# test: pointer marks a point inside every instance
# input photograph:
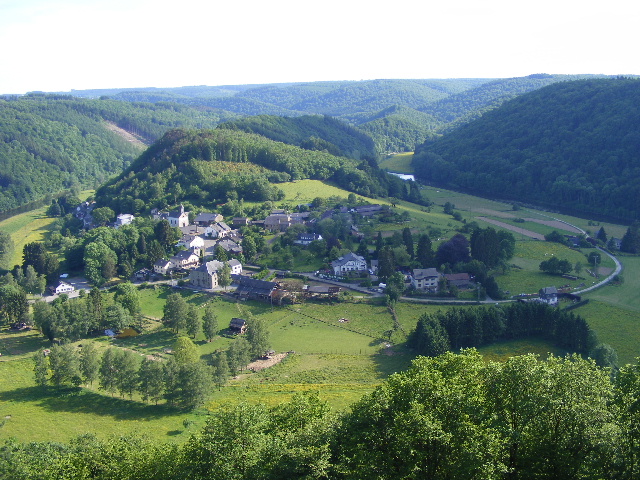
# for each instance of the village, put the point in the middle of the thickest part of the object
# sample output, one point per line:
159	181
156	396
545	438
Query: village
210	252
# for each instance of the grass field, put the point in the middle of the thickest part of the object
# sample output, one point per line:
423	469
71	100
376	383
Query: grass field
619	327
26	228
398	163
30	227
304	191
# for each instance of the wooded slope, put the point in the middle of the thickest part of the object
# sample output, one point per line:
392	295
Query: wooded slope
571	145
49	143
210	166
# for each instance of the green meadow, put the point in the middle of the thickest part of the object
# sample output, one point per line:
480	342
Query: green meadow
398	163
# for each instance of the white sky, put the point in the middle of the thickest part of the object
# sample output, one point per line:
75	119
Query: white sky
53	45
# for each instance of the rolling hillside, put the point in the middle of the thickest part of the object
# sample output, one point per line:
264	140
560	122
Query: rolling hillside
570	146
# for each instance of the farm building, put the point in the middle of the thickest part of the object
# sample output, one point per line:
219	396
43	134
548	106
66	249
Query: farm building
321	290
238	325
253	289
459	280
203	219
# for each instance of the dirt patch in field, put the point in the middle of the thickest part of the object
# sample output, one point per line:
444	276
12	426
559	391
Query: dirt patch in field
522	231
261	364
258	365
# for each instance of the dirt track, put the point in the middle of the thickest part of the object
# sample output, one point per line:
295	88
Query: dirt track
522	231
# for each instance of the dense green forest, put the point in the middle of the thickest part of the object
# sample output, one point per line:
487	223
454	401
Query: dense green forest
455	416
50	142
311	132
571	146
212	166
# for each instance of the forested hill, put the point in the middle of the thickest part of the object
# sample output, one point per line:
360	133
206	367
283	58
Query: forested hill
570	146
398	114
49	143
311	132
461	108
206	167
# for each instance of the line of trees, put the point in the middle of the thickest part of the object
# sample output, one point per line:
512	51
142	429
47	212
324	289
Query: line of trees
183	381
459	328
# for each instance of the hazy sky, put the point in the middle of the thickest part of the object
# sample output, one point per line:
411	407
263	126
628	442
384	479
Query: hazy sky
52	45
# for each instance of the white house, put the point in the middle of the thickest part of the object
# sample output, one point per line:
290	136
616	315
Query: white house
349	263
236	266
163	266
195	243
124	219
425	279
178	218
64	287
217	230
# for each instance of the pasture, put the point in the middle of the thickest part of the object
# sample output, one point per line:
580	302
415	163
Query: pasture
398	163
26	228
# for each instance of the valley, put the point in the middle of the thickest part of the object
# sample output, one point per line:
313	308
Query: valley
243	271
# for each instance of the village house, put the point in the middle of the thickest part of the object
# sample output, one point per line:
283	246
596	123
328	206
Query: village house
217	230
62	287
235	266
229	246
194	243
279	222
425	279
238	222
83	212
206	276
142	274
349	263
548	295
185	259
163	266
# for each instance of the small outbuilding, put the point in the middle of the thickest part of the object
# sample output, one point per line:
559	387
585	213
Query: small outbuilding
238	325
